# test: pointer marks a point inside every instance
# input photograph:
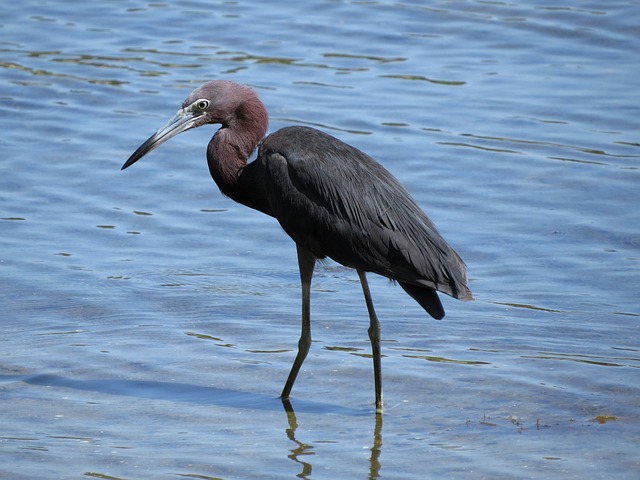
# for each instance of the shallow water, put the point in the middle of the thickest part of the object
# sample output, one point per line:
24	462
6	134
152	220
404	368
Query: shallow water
149	323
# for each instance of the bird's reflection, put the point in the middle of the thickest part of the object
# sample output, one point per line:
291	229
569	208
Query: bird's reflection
301	449
376	447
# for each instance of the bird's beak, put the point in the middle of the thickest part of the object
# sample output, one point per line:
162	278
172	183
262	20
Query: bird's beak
182	121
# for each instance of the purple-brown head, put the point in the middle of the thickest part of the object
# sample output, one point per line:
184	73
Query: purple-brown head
218	101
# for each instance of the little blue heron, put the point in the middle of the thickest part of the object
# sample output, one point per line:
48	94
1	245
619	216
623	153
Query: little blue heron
332	199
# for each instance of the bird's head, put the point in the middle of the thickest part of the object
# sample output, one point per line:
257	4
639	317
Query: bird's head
218	101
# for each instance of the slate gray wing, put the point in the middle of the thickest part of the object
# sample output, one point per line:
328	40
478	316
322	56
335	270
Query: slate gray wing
340	203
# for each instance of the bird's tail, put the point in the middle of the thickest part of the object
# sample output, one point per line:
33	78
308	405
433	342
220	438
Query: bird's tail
426	297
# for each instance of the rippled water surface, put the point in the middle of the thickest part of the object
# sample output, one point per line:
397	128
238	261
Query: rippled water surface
149	323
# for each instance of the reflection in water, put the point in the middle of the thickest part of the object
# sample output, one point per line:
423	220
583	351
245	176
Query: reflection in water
302	449
376	446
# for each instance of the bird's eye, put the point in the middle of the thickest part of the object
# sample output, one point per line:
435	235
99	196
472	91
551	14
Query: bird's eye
202	104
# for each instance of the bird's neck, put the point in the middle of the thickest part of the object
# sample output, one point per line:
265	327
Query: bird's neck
228	153
226	158
231	146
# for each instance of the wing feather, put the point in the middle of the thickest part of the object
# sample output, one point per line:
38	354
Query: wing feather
340	203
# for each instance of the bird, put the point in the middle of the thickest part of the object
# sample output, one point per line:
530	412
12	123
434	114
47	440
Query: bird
331	198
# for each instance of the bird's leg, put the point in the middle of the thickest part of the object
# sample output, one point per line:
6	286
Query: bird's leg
374	336
306	262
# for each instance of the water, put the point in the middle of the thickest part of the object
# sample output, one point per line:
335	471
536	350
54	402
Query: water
149	323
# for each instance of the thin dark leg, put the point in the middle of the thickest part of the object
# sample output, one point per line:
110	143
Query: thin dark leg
374	336
306	262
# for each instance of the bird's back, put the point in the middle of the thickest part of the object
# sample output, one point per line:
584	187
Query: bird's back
340	203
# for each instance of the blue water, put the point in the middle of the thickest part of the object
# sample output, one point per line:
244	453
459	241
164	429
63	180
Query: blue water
149	323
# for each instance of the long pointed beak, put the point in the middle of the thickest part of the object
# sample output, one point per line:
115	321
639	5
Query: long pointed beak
182	121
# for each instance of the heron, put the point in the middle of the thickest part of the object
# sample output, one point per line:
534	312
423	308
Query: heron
331	198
